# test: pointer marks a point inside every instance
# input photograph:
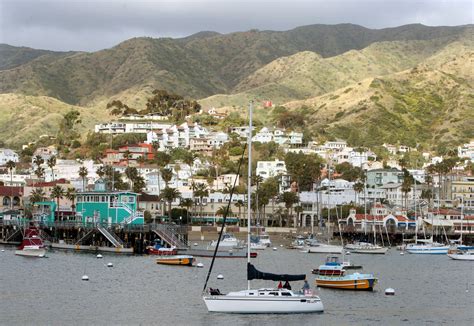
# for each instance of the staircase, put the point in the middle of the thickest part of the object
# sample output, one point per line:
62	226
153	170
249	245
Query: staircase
112	237
14	235
86	236
170	236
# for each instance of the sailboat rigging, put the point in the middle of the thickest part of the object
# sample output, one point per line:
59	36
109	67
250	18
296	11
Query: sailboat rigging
259	300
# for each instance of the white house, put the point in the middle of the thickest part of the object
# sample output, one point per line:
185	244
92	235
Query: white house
8	155
267	169
467	151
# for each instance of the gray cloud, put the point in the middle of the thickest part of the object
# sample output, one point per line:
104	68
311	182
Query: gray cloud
91	25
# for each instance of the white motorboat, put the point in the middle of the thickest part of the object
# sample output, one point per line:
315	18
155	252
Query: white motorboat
228	240
31	251
265	239
366	248
462	255
257	246
266	301
260	301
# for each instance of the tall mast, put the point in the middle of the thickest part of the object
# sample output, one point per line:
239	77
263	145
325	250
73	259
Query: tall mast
249	186
365	203
462	218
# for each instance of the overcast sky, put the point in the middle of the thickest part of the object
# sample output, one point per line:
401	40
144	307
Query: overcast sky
90	25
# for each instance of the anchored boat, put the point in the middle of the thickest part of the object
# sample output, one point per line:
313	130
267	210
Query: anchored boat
32	244
184	260
356	281
366	248
332	267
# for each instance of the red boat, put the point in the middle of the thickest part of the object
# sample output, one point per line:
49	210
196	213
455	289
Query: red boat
32	244
161	251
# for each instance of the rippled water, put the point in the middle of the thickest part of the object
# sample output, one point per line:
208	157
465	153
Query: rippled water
429	290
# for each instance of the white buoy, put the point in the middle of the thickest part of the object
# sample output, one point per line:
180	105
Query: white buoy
110	265
220	277
281	245
3	250
199	265
275	248
41	256
195	244
99	256
389	291
348	252
402	253
85	278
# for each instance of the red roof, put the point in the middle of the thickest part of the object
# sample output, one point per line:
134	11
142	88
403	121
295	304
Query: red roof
50	183
445	211
9	191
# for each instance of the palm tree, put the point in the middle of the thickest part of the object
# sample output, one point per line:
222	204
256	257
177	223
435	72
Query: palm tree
169	195
38	160
100	171
166	175
289	198
187	203
57	193
131	173
83	172
37	195
298	211
10	166
51	164
39	172
201	191
71	195
358	188
406	185
222	210
239	204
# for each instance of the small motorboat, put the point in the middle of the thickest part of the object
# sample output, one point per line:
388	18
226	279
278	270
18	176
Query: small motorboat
265	239
322	248
184	260
332	267
355	282
229	241
162	251
32	244
466	255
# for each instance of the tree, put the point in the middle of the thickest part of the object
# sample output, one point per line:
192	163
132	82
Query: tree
127	155
166	175
303	169
221	211
239	204
358	188
57	193
118	108
200	191
71	195
37	195
10	166
406	185
38	160
169	195
289	199
51	164
83	172
187	203
39	172
132	174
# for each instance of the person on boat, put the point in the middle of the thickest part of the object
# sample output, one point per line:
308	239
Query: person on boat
306	287
280	285
287	285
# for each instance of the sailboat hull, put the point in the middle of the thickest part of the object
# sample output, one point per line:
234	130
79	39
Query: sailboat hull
325	249
373	251
264	305
427	250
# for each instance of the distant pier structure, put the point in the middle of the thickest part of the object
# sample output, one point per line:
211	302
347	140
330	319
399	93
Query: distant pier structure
103	221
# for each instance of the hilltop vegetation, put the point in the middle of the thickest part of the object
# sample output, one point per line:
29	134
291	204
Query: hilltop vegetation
409	84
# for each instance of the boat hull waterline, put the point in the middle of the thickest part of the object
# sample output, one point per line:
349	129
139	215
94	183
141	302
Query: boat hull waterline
344	283
264	305
176	260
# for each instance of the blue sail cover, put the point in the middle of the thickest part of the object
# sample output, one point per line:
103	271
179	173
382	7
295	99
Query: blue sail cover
254	274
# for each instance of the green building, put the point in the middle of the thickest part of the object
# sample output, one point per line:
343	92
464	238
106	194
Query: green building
108	207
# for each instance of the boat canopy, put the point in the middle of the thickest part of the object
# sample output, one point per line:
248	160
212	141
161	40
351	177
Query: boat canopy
253	273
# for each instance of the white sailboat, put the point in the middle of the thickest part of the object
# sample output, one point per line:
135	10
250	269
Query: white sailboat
261	300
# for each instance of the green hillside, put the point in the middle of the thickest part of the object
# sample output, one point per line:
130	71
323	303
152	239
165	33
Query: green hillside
197	66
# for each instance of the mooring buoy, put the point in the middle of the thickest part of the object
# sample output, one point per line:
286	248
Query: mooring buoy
85	278
389	291
199	265
99	256
220	277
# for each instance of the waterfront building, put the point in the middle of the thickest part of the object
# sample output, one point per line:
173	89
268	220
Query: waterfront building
108	207
380	218
8	155
461	189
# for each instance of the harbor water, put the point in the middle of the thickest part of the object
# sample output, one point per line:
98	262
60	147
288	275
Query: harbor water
429	290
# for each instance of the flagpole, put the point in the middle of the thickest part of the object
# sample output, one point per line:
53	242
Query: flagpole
249	186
